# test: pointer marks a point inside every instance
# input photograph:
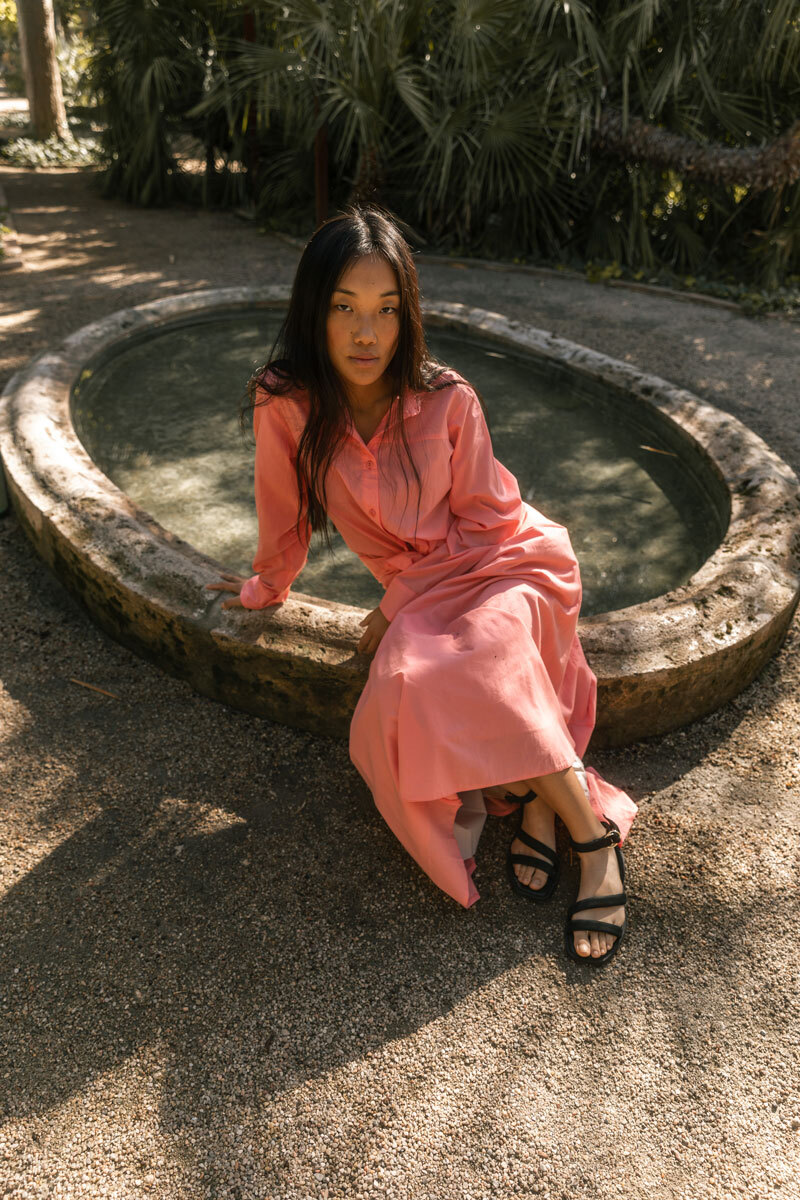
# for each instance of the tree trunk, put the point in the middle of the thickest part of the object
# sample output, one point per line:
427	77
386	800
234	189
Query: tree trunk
37	35
775	165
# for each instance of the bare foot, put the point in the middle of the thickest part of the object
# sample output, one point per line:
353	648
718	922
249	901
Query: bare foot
599	877
539	821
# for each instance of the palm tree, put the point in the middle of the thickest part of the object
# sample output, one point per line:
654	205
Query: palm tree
629	130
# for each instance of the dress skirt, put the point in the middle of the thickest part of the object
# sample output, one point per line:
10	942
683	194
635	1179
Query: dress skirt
479	681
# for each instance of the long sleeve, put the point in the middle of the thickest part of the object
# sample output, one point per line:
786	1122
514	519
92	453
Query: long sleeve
484	496
484	501
281	553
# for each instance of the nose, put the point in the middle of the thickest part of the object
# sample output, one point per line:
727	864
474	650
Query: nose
364	333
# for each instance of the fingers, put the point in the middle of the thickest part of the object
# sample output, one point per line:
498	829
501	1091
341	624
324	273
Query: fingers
223	587
375	627
369	642
234	602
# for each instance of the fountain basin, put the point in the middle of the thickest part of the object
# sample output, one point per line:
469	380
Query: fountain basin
660	663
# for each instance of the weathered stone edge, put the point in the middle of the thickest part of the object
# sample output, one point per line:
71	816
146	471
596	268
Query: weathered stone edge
659	664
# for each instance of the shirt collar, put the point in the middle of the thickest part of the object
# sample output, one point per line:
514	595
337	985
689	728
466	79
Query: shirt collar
411	404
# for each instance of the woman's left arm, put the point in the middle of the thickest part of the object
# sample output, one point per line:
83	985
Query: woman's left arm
484	496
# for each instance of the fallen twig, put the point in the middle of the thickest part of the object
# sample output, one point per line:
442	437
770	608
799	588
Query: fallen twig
93	687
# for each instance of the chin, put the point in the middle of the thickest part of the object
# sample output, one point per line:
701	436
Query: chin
364	376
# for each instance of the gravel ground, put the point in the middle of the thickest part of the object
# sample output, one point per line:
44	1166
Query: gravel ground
221	975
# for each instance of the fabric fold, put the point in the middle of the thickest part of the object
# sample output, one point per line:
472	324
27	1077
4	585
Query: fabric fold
480	679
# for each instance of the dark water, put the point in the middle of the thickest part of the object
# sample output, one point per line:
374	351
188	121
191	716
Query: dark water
160	418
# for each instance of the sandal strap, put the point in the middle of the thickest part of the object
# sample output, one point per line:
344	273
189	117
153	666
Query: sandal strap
528	860
612	838
526	799
598	902
547	851
586	926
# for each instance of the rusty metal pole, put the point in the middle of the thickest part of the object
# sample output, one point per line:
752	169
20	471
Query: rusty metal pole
251	156
321	172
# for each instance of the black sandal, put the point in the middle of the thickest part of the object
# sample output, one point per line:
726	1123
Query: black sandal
583	924
548	864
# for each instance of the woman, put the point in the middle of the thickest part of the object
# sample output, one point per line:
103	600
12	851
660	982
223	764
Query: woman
478	687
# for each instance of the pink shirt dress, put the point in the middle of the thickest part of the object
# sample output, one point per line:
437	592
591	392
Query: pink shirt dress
480	678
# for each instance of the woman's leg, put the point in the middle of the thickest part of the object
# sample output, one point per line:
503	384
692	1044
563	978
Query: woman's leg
538	819
562	792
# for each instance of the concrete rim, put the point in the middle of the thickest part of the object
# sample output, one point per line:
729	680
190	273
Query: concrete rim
659	664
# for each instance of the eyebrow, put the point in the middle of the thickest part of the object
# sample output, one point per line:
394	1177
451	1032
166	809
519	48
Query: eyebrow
345	292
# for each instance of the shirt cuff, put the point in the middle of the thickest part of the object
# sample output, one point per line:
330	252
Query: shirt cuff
396	596
257	594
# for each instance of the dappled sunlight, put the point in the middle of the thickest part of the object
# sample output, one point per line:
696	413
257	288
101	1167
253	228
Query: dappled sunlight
700	346
124	277
30	830
14	320
757	375
719	386
197	817
50	210
16	717
199	283
133	1147
32	850
42	254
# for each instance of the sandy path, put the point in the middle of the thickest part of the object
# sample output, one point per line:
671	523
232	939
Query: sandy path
221	977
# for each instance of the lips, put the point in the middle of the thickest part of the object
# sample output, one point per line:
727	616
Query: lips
363	358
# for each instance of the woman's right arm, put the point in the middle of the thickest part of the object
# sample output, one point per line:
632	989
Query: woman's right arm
281	553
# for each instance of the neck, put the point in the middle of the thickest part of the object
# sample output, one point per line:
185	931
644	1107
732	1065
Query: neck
369	399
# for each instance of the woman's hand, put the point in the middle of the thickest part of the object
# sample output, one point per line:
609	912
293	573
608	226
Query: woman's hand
376	626
232	583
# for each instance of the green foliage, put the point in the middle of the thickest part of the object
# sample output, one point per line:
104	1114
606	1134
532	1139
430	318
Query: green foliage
10	59
54	152
475	120
74	55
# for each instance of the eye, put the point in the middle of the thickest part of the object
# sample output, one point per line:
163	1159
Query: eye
389	308
341	307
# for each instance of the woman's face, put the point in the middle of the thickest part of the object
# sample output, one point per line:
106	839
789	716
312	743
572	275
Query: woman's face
363	327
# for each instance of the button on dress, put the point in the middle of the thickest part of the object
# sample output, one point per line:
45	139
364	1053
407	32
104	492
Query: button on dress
480	679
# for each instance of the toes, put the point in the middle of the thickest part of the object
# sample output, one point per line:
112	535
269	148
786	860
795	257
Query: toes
530	877
523	873
594	939
582	944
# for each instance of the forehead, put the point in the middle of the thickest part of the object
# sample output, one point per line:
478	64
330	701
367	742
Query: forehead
368	275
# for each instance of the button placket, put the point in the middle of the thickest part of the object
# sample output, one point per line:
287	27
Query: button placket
371	485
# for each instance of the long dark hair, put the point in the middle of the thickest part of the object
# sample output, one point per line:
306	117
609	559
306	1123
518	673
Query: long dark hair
299	357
